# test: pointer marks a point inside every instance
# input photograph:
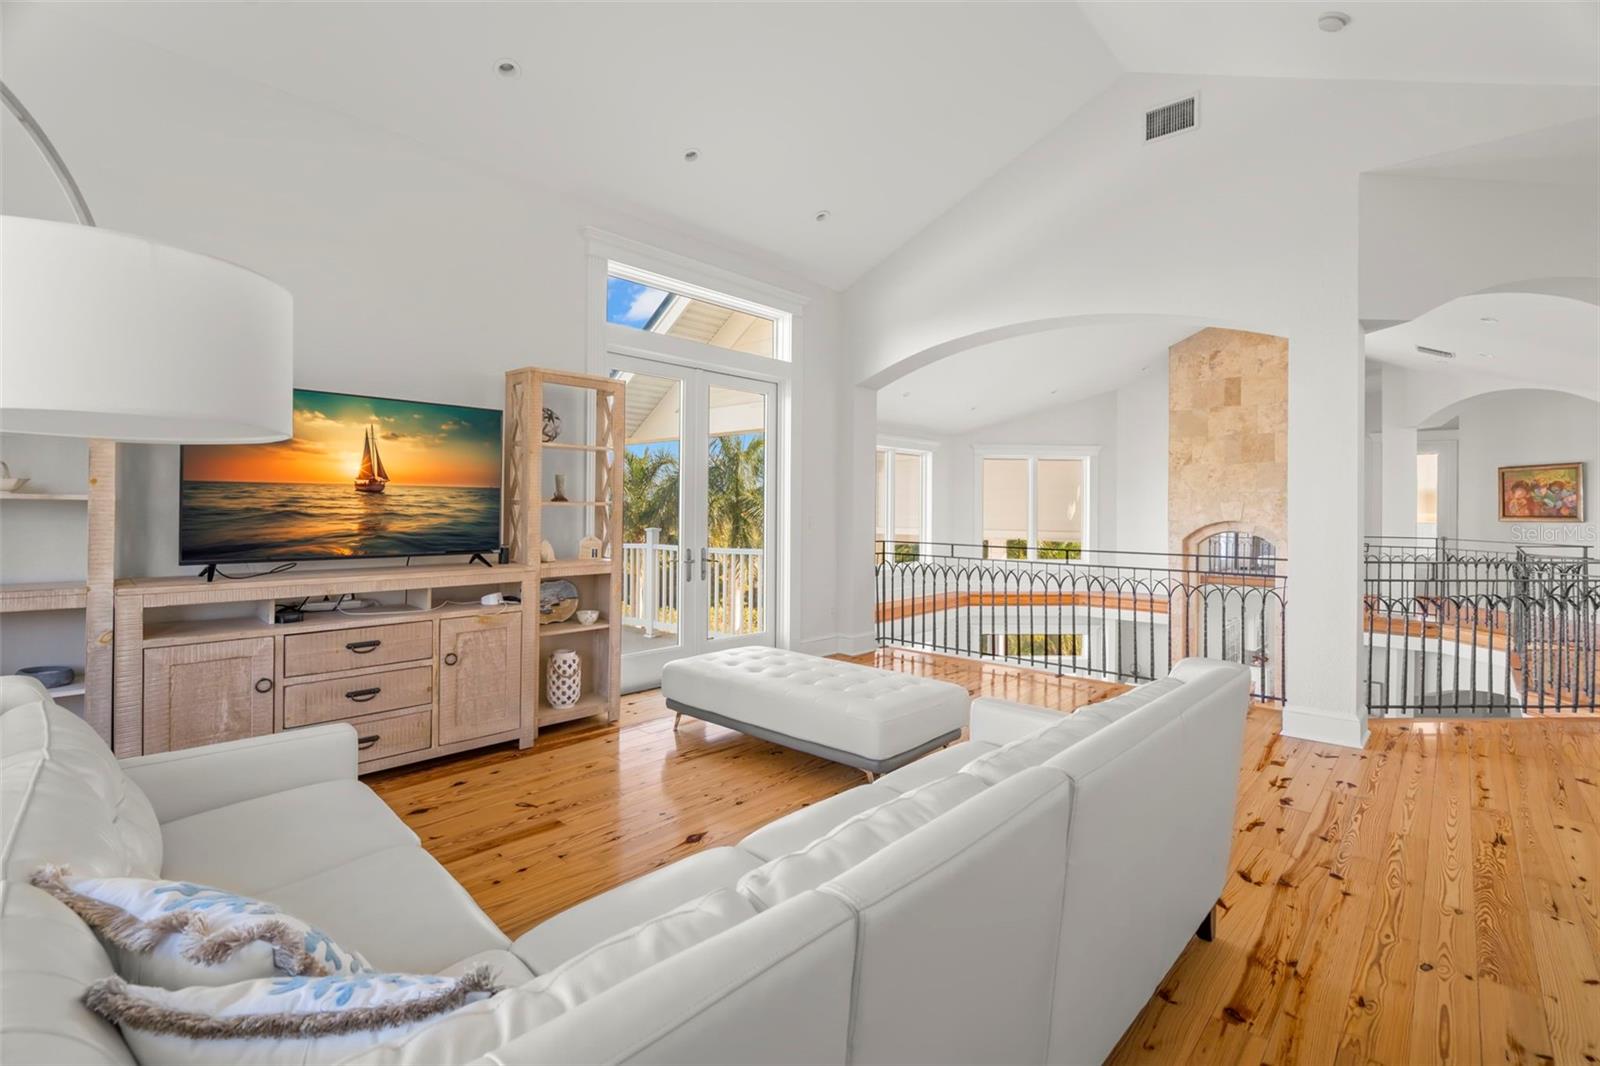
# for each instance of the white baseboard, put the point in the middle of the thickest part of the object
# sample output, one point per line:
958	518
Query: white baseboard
1325	727
838	644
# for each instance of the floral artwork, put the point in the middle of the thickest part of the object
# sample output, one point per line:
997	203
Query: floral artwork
1552	492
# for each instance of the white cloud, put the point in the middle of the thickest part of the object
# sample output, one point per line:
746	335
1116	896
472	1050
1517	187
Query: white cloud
644	304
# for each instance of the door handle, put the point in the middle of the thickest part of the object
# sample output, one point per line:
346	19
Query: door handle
362	695
450	658
367	742
688	564
361	647
705	554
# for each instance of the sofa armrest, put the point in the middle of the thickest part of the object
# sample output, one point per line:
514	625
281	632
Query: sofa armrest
181	783
996	721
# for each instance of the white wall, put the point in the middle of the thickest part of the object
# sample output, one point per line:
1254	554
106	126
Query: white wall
1518	428
1250	221
1141	447
1428	240
413	276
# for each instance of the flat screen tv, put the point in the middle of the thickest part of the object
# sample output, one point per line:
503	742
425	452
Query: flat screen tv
362	477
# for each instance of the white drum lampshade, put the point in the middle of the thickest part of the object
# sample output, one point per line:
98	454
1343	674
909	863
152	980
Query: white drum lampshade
104	334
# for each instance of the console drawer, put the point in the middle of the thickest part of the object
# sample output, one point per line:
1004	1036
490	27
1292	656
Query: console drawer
352	649
310	702
395	733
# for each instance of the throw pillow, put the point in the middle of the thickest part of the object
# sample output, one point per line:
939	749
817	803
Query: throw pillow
298	1020
174	934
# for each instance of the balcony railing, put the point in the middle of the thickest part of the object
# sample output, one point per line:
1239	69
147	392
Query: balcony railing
1480	628
652	587
1125	616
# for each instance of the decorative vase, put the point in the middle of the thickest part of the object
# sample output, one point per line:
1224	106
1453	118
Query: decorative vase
552	426
563	681
561	489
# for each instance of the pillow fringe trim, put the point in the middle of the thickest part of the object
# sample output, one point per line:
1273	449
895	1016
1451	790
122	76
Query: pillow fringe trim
131	933
111	999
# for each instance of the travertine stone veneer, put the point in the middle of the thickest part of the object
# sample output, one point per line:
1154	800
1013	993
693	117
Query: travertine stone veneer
1228	436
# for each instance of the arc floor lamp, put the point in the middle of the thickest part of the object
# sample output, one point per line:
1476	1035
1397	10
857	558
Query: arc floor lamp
106	334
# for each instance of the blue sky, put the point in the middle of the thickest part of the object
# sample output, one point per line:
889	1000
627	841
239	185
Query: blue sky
629	303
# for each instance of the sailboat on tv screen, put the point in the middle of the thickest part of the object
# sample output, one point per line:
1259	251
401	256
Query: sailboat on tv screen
372	477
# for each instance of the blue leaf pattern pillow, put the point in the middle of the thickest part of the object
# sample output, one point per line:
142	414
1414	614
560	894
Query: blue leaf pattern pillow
174	934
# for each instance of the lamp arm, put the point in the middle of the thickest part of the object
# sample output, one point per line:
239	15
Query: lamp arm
58	166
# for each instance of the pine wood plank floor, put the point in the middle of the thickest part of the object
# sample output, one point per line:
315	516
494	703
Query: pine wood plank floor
1433	898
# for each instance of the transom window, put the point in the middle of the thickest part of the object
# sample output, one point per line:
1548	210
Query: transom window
652	304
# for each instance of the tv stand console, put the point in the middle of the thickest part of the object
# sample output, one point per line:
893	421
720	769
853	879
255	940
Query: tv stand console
429	671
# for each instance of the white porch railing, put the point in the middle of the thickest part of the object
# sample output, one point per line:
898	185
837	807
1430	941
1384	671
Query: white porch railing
651	587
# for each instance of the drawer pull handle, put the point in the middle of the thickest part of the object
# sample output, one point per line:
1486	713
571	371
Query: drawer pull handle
264	685
362	695
361	647
366	742
450	659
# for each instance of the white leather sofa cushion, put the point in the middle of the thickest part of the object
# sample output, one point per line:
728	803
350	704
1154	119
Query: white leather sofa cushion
508	969
1030	751
50	958
1119	707
576	929
480	1028
798	828
865	711
256	845
959	928
855	840
398	907
63	799
774	989
939	764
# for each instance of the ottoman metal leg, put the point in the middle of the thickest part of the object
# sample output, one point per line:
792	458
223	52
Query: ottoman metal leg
676	718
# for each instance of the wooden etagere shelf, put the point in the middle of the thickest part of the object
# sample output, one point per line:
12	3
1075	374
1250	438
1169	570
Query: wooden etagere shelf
596	461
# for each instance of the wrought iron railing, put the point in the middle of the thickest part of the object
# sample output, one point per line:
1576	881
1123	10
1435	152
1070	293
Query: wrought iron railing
1125	616
1480	628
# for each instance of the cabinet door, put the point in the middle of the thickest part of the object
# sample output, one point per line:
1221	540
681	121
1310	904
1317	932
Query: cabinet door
206	693
480	676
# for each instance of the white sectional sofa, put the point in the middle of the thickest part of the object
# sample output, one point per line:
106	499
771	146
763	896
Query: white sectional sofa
1015	898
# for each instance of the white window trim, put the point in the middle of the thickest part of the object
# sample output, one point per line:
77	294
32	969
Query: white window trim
609	253
1089	453
906	446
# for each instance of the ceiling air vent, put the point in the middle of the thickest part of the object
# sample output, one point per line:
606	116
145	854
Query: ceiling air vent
1437	353
1171	118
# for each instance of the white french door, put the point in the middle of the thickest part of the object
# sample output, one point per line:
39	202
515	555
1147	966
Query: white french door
698	515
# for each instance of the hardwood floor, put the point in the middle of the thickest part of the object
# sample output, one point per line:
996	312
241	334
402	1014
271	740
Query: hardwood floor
1433	898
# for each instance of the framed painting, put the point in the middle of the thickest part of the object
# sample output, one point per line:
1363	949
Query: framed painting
1549	492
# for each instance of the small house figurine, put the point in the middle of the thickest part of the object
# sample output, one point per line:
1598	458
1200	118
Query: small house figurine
589	548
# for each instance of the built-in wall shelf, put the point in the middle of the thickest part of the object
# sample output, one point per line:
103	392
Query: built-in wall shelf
44	596
574	567
199	630
529	519
561	446
591	703
44	497
561	629
75	687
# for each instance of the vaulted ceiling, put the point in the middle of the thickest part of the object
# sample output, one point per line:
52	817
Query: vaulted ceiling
882	115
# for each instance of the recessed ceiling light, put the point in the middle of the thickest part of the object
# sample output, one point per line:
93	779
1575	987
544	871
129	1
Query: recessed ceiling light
1489	320
823	216
691	155
1485	355
1332	21
1054	391
974	407
507	68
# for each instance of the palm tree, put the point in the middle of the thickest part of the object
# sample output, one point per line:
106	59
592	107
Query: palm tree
736	480
651	486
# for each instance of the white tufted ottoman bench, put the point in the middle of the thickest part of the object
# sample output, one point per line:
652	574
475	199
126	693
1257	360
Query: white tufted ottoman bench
858	715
